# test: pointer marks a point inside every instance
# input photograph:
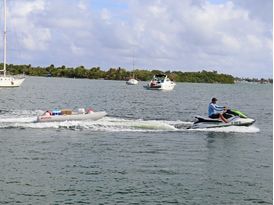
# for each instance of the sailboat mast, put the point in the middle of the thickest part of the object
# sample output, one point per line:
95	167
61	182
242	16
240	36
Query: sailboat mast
133	59
133	63
5	37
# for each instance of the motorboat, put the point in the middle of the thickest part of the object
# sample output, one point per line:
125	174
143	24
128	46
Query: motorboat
69	115
236	118
132	81
160	82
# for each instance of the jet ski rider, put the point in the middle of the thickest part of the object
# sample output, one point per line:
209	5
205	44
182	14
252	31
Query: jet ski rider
215	111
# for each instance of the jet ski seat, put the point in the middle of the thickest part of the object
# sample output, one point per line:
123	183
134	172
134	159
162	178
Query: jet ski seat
206	119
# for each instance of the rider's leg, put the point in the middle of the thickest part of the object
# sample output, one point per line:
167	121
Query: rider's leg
223	118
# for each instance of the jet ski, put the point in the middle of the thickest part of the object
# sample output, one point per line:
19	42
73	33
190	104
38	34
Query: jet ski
234	117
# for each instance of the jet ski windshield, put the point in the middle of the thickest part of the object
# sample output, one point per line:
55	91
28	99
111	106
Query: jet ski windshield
238	113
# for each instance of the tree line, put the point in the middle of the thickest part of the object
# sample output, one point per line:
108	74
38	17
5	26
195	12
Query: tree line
119	73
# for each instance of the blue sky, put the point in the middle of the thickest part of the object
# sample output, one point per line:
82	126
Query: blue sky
233	37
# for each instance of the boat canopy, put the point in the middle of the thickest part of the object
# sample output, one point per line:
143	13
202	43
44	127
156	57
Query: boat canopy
160	76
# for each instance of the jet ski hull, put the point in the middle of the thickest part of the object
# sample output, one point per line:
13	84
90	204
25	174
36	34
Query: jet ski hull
202	123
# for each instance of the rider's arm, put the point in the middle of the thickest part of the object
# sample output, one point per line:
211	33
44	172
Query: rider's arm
218	108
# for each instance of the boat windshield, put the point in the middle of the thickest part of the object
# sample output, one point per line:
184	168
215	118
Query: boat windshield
160	78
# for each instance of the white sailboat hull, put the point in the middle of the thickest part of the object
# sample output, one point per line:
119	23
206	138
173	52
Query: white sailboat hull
132	82
11	81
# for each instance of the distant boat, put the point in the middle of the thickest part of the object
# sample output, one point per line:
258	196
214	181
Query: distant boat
5	80
160	82
132	81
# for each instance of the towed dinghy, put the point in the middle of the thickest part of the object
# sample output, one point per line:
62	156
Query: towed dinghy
236	118
69	115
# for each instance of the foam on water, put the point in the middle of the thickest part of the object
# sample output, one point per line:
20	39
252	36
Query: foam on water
241	129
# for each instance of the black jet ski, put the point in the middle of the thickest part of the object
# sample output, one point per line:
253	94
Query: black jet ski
234	117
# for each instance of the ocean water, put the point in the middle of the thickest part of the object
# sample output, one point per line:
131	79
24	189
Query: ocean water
135	155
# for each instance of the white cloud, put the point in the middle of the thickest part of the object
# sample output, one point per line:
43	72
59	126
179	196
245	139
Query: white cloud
179	34
230	42
82	5
105	15
24	8
37	40
76	49
32	36
254	42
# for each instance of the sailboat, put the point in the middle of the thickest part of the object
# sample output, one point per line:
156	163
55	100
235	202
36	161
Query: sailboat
7	80
132	80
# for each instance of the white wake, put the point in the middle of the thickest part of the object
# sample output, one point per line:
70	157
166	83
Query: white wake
26	119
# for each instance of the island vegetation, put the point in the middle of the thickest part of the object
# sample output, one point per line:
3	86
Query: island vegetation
119	73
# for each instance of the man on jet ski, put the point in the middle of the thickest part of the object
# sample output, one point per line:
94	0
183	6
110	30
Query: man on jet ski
216	111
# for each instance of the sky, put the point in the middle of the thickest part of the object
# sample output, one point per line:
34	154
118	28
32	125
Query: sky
232	37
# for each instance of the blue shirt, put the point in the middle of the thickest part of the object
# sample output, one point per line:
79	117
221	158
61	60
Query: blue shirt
214	109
